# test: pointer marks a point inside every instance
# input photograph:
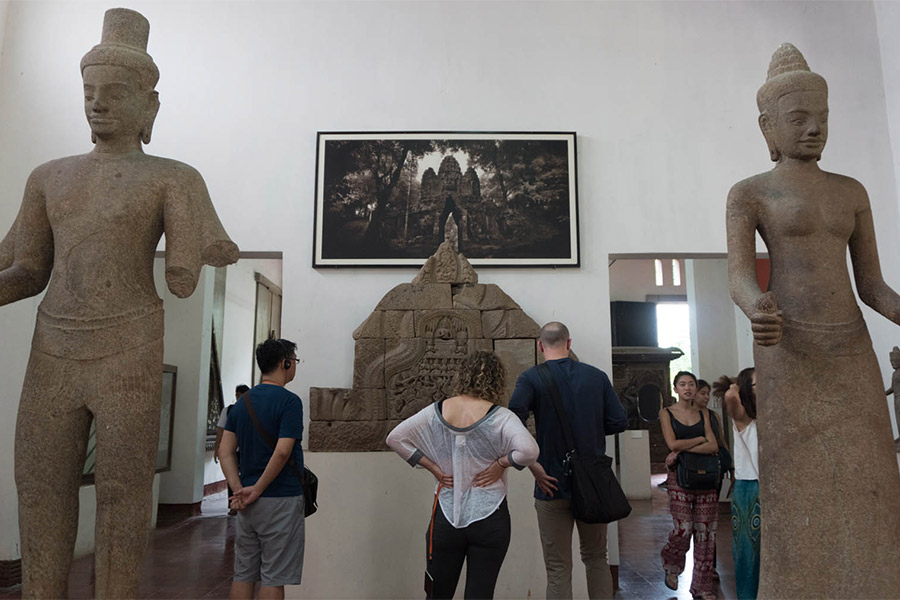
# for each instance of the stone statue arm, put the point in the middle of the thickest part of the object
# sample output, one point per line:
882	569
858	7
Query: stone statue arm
867	268
760	307
26	253
194	234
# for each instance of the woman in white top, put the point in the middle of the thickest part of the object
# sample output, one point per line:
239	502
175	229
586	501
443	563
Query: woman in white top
467	442
740	400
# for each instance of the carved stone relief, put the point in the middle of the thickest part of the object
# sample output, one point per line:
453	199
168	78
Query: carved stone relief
408	350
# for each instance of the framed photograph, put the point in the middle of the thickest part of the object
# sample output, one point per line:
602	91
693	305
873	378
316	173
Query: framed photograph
390	198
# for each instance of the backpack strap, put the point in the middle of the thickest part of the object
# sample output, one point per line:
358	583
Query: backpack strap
550	383
268	439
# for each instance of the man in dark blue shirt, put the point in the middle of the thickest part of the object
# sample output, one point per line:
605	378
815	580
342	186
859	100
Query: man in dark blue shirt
594	412
269	541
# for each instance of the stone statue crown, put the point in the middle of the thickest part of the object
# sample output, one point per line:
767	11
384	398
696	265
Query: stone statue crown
124	43
788	72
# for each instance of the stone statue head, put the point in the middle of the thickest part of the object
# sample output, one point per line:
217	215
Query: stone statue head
793	107
120	77
895	358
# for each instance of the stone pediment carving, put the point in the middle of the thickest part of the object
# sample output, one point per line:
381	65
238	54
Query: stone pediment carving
408	349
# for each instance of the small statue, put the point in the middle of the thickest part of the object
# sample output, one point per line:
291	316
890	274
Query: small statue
895	385
89	225
829	487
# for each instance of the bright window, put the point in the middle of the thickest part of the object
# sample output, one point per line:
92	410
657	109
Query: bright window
659	272
673	329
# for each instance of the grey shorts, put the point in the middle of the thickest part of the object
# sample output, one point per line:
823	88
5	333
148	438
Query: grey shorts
269	540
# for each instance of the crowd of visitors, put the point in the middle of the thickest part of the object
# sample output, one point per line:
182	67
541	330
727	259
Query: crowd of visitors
468	441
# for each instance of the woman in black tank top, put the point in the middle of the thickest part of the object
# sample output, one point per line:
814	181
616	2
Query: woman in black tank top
686	428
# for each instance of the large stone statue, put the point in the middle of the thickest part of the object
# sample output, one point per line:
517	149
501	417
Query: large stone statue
829	487
89	225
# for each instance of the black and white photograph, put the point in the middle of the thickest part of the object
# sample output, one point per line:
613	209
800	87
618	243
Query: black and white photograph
390	199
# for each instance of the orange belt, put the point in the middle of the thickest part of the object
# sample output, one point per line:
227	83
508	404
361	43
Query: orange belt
431	526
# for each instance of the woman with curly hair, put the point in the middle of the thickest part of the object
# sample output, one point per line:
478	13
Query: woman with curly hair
467	442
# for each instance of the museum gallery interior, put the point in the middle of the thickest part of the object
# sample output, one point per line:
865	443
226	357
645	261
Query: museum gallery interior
396	185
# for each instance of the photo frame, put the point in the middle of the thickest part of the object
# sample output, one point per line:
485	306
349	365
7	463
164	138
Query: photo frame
388	199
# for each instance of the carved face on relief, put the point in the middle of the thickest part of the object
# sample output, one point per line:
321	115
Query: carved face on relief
116	105
895	358
799	129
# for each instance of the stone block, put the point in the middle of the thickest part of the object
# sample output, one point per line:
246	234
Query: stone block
481	344
368	364
349	436
417	296
448	324
483	296
506	324
516	356
387	324
338	404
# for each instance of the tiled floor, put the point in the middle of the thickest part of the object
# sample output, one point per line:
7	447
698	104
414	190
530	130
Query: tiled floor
193	557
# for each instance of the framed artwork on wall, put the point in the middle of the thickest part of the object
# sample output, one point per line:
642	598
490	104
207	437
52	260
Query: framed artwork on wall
390	198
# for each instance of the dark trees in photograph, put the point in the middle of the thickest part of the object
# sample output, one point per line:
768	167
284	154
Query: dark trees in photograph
512	200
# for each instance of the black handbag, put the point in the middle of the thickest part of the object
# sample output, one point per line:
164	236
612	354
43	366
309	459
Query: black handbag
725	460
697	471
597	496
308	479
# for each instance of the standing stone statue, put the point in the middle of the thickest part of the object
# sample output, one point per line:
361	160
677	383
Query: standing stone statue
829	487
89	225
895	389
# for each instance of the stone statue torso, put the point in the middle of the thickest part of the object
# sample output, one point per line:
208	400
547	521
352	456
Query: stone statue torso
806	229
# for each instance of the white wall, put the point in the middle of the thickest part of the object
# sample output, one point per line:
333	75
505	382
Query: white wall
187	346
888	23
662	96
633	279
237	341
713	329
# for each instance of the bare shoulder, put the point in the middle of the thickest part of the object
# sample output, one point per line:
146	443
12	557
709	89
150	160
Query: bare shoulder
851	189
745	194
176	172
55	167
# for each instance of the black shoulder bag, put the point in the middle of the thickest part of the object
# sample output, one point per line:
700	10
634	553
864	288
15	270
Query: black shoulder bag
308	479
597	496
697	471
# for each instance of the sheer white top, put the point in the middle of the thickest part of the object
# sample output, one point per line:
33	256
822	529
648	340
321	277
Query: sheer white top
746	452
464	452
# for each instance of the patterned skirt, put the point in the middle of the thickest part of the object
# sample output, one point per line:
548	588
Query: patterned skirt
745	525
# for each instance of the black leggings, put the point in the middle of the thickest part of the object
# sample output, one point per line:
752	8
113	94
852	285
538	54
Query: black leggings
482	545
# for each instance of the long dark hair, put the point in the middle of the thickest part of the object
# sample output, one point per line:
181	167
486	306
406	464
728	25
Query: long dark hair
746	391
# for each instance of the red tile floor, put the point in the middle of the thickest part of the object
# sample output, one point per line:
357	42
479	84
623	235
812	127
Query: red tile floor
192	557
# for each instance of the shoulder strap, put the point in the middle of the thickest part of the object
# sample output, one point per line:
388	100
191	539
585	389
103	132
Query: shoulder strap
268	439
549	381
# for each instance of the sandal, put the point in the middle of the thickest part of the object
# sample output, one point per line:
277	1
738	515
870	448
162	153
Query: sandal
706	596
671	581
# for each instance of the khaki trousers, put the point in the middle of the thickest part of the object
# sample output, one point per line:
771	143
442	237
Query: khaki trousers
555	523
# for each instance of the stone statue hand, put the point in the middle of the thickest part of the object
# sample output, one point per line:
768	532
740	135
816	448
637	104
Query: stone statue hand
767	321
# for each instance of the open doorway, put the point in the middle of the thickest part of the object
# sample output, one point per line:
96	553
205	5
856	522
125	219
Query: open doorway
684	319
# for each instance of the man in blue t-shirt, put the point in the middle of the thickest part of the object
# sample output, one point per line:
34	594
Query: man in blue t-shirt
594	411
269	541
